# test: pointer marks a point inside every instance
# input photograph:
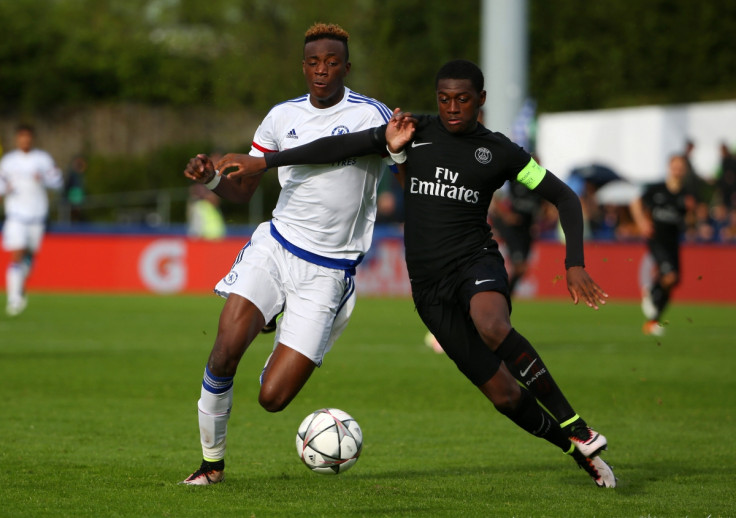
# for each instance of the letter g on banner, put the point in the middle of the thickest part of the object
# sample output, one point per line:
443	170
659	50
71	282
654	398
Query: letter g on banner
162	266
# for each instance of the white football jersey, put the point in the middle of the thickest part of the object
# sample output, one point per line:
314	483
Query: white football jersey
327	209
24	178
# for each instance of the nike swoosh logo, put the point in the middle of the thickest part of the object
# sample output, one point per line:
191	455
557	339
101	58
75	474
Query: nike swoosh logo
484	280
417	144
523	373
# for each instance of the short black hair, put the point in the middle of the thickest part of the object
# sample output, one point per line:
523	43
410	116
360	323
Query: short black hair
330	31
25	127
461	69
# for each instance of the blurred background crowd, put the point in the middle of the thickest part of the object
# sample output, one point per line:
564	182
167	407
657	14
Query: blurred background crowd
121	94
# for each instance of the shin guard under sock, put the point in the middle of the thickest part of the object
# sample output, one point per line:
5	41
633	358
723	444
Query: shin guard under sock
214	406
527	366
660	298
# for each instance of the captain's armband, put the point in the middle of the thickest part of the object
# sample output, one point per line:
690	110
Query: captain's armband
531	175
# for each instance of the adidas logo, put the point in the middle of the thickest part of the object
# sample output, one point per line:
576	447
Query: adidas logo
292	134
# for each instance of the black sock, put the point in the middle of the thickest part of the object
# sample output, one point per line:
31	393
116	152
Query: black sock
535	420
660	298
527	366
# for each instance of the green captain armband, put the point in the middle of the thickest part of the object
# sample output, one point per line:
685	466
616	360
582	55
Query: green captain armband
531	175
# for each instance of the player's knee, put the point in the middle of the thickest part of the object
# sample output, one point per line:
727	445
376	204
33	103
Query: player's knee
272	400
493	331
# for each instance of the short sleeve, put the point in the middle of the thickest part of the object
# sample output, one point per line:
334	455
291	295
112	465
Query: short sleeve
264	140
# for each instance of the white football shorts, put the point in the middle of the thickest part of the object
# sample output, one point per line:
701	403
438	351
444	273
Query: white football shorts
319	300
19	235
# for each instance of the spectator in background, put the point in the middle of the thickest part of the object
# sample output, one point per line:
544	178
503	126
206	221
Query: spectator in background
514	218
727	234
692	183
726	182
660	215
701	227
25	174
204	218
74	191
389	201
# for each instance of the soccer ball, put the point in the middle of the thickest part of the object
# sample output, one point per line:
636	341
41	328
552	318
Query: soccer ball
329	441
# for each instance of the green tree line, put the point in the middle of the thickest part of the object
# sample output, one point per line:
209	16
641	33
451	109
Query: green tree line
583	55
58	54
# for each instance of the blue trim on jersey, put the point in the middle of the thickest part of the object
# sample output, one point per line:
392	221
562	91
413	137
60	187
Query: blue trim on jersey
216	384
357	98
299	99
348	265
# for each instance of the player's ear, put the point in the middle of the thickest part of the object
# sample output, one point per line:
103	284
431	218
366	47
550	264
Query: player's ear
347	67
482	98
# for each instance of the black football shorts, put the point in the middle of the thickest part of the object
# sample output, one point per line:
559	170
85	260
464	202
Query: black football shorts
666	255
444	307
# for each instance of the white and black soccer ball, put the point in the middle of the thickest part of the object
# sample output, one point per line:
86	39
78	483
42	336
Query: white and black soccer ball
329	441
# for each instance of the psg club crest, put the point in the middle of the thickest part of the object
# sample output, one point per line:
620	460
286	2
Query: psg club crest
340	130
483	155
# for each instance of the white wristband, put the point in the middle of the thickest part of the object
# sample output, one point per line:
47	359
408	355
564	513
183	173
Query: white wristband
214	182
399	157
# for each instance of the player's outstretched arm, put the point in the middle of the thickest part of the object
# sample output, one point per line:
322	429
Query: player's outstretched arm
579	283
328	149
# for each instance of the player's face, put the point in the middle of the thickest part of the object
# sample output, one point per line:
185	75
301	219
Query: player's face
678	168
24	140
459	104
325	68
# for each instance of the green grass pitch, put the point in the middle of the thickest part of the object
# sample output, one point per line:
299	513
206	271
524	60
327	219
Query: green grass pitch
98	416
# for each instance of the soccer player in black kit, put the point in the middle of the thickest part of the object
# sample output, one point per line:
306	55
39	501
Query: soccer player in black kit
660	215
449	169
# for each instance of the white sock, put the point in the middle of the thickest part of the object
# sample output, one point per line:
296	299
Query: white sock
214	413
15	277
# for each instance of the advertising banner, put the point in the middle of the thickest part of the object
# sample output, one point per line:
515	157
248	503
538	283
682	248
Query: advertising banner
173	264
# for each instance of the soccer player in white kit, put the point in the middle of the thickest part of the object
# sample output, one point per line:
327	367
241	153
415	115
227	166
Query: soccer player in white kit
302	260
25	174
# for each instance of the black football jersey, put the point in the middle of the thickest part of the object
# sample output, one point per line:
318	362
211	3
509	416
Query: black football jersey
668	211
450	180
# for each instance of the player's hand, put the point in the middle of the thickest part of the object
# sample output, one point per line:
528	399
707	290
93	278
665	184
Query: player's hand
237	165
200	169
400	130
646	228
582	287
